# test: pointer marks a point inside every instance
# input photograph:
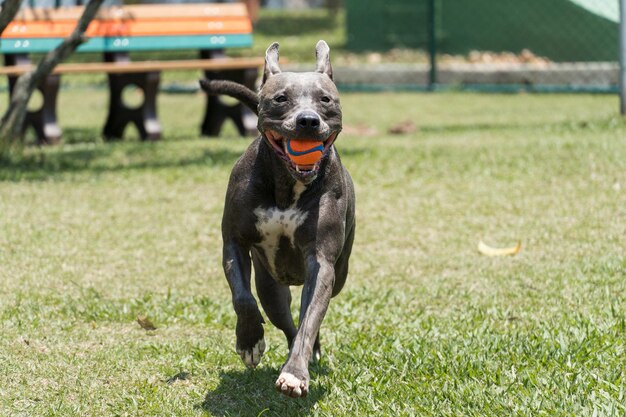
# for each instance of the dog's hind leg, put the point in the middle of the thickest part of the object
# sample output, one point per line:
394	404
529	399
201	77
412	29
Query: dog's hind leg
250	343
341	266
276	301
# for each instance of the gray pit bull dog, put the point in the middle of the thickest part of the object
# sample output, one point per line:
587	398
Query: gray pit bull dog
294	224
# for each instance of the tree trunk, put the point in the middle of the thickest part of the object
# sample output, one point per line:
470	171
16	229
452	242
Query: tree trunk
13	119
9	10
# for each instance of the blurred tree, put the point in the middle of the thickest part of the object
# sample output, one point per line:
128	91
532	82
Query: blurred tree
13	119
333	6
8	12
253	9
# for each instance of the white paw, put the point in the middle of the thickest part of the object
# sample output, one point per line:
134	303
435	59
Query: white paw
292	386
252	357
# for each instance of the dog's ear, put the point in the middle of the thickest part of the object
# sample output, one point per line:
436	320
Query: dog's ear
271	62
322	54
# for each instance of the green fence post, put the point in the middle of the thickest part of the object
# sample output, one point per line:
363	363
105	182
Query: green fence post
432	44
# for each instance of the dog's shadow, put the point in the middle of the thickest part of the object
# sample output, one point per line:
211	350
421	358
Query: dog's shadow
252	393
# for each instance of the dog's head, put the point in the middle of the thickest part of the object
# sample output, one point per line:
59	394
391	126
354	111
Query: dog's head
299	106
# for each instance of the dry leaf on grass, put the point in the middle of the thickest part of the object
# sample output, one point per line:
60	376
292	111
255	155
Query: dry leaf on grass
362	130
402	128
491	251
145	323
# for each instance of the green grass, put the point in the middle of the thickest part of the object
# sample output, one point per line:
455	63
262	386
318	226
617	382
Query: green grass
93	234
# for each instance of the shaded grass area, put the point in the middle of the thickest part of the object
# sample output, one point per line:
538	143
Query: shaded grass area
93	234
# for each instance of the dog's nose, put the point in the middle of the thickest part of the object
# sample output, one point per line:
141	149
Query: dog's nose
308	120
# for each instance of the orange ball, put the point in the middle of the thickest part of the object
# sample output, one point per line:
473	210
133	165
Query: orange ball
304	152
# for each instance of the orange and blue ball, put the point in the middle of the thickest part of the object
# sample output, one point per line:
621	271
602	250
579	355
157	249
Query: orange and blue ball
304	152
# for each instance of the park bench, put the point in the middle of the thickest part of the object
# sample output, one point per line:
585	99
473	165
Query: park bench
116	32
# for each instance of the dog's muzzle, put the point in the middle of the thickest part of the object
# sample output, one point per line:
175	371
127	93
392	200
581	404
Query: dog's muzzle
282	146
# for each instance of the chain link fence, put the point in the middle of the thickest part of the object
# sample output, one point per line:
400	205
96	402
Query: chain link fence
534	45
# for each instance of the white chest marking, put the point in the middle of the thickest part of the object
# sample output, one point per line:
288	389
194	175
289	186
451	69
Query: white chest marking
273	223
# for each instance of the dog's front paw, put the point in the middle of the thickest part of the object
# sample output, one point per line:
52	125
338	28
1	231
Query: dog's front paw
292	386
252	356
250	343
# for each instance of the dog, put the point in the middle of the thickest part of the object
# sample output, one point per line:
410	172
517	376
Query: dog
295	225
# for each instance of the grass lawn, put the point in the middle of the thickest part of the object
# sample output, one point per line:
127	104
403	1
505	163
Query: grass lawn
93	234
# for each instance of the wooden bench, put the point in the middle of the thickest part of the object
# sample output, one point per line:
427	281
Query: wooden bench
119	30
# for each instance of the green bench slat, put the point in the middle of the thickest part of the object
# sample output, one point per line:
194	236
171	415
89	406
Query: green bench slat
134	43
155	43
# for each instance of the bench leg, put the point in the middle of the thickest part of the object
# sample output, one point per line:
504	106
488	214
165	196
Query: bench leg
217	111
144	117
44	119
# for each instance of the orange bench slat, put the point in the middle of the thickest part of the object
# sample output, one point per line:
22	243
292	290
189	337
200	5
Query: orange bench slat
178	26
139	11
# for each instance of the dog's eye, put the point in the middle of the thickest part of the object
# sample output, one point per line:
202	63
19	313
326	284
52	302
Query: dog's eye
281	98
325	99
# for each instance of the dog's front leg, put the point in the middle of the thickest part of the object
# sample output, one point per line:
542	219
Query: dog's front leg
316	293
250	343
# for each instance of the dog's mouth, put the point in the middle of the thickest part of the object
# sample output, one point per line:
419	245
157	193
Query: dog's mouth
282	147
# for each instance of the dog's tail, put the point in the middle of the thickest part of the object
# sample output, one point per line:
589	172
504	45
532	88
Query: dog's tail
232	89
